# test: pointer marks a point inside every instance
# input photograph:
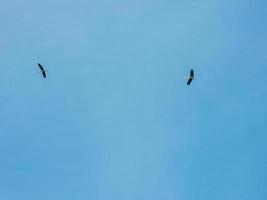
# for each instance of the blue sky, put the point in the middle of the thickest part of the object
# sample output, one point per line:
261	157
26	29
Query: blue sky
114	119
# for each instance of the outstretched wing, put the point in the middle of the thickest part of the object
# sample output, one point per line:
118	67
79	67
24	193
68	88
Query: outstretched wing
41	67
192	73
42	70
44	74
189	81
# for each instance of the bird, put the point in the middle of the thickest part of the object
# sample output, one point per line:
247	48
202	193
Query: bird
42	70
191	77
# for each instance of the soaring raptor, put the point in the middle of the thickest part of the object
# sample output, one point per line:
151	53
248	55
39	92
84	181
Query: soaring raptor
42	70
191	77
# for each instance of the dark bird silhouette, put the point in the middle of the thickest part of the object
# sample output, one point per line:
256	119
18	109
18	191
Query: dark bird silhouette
191	77
42	70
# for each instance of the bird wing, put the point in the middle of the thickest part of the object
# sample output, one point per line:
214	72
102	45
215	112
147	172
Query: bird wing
192	73
41	67
189	81
44	74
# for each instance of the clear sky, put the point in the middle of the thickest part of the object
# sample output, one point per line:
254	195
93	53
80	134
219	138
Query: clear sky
115	120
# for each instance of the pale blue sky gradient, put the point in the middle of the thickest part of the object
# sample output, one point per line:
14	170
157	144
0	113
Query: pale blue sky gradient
114	120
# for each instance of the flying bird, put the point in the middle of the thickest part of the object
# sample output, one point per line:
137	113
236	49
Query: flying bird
42	70
191	77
